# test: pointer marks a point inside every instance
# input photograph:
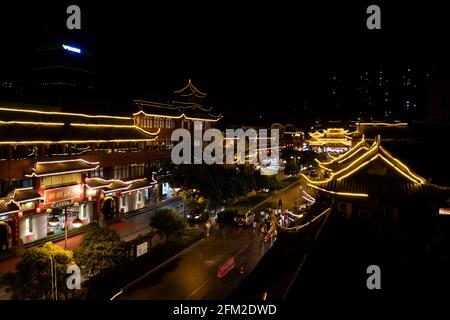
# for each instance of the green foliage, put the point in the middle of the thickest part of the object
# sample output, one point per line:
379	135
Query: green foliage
99	252
33	278
291	168
168	223
216	183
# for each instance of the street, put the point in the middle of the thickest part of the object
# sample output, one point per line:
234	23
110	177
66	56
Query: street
193	276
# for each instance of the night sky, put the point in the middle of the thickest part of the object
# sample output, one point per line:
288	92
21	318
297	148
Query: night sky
252	58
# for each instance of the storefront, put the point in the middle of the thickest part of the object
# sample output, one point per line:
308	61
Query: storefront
133	200
117	197
59	204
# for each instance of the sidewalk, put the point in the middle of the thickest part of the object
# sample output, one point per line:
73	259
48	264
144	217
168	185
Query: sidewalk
133	226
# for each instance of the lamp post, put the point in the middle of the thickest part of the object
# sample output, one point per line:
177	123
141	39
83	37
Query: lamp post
53	221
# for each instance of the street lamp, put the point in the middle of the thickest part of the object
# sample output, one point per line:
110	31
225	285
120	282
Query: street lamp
53	221
77	222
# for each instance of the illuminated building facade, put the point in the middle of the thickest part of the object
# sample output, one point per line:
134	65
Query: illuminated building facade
330	140
71	165
68	166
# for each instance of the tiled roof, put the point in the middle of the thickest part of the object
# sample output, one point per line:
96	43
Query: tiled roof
176	109
23	195
20	112
116	185
386	186
6	206
15	133
375	172
48	168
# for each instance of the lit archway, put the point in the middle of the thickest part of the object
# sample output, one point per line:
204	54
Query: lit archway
109	211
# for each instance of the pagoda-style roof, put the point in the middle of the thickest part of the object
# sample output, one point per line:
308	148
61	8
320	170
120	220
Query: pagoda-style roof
364	172
50	168
21	195
190	90
335	133
116	185
330	136
344	159
175	110
8	207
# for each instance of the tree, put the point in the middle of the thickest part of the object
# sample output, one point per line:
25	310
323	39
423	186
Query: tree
33	276
168	223
291	168
99	252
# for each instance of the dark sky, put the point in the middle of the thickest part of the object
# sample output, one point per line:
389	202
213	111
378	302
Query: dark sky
255	56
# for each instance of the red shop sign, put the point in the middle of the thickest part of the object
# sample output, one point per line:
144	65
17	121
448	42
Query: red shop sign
62	194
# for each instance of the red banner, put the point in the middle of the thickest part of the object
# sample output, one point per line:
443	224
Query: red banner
63	194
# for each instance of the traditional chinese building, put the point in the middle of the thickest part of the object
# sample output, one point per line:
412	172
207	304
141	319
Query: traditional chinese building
61	166
185	108
368	184
67	166
330	140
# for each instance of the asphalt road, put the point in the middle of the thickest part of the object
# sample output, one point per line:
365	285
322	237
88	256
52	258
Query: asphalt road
193	276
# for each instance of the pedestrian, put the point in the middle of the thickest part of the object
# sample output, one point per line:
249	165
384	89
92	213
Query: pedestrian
207	225
280	204
254	226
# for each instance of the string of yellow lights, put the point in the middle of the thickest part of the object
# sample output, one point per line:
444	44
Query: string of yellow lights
64	113
350	194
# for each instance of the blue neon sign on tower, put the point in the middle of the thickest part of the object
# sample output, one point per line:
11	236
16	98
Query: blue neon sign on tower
72	49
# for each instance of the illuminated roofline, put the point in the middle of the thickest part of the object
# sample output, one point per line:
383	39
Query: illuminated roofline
190	85
74	141
82	125
175	117
64	113
347	194
58	173
19	202
33	123
68	160
110	182
346	154
115	126
400	124
97	164
408	174
9	212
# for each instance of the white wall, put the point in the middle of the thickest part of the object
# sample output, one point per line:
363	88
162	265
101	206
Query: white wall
39	222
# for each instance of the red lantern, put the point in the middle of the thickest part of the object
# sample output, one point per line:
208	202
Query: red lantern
20	214
89	198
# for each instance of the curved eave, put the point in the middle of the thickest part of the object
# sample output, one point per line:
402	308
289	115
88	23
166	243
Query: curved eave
182	116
